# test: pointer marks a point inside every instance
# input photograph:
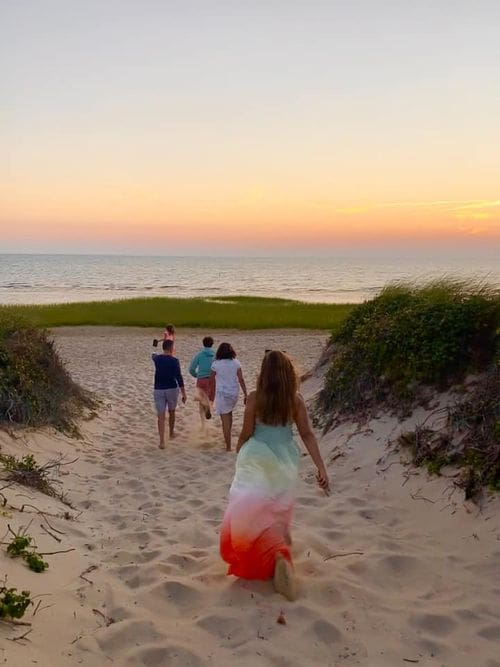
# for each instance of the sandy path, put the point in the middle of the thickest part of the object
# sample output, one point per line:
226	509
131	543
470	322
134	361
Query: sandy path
159	513
423	589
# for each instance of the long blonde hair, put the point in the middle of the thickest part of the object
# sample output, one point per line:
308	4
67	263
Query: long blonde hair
276	389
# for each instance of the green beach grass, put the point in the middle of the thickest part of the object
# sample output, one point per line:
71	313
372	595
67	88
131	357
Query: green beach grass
229	312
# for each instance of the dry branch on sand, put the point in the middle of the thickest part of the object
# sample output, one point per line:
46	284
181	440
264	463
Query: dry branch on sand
469	439
28	472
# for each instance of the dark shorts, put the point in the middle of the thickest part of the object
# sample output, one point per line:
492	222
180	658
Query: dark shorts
208	386
166	399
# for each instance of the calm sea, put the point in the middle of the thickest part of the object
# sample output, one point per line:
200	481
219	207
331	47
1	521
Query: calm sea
61	278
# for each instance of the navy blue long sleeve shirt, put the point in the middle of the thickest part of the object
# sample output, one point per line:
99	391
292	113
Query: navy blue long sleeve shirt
167	371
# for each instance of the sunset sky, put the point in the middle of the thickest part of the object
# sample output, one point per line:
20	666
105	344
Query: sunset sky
249	127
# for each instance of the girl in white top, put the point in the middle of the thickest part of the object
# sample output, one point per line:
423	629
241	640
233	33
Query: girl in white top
228	380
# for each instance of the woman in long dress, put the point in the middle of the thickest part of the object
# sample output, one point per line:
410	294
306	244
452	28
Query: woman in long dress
255	536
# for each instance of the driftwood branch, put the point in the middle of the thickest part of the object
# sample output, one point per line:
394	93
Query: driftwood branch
46	530
107	619
20	637
87	571
349	553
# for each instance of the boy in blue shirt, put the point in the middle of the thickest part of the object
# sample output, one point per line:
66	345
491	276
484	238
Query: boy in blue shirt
168	384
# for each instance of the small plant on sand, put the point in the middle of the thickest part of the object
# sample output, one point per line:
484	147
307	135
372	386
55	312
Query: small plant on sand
409	338
35	562
18	545
13	604
28	472
35	387
22	546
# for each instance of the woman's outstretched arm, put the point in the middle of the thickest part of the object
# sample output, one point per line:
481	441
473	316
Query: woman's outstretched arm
309	440
248	422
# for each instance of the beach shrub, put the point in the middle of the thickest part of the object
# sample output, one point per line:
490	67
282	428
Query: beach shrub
35	387
407	338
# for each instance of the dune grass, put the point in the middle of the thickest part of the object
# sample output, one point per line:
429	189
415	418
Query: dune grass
412	335
35	387
230	312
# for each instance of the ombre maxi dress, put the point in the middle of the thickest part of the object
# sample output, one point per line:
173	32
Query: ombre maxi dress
261	502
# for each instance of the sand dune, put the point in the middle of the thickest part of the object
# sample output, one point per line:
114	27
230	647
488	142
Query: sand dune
393	571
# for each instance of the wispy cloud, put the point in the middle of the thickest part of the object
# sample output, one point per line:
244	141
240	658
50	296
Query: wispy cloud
460	209
474	231
354	210
481	204
465	214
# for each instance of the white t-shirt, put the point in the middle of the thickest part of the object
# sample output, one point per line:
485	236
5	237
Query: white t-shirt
226	378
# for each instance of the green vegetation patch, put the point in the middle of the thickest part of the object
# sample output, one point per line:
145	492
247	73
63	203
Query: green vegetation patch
13	605
22	546
409	337
229	312
35	387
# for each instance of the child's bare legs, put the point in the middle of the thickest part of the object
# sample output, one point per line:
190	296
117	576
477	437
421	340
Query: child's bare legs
202	414
204	405
227	425
161	429
171	423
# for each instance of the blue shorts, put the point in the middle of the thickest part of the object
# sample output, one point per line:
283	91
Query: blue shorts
166	398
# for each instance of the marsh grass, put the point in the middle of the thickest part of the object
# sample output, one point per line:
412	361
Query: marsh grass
231	312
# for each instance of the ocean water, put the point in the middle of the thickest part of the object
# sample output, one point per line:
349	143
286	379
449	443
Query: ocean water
31	279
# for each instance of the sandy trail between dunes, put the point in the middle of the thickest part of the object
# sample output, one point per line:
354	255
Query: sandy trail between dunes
386	577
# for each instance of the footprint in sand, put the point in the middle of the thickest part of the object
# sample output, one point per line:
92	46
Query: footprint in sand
491	632
435	624
173	656
326	632
171	595
115	637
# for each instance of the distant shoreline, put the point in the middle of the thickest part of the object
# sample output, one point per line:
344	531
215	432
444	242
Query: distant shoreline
224	312
46	280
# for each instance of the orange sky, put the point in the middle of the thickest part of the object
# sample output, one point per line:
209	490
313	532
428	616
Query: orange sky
161	130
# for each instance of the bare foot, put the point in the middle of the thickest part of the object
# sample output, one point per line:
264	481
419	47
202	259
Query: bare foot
173	436
161	445
284	580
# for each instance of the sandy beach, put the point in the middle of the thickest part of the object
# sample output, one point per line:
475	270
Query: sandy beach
394	567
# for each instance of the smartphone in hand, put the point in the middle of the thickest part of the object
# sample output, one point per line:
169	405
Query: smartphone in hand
155	342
